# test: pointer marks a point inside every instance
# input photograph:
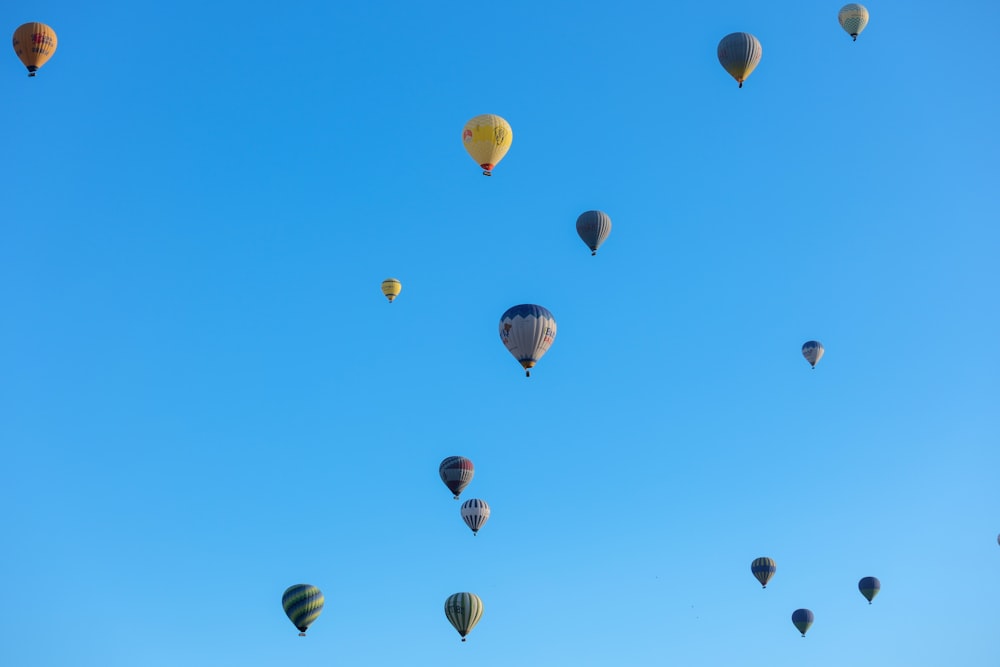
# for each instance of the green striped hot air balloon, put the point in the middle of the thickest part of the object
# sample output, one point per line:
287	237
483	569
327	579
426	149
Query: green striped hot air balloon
463	611
303	604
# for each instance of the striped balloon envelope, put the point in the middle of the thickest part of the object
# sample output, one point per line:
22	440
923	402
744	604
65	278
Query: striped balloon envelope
739	53
869	587
813	351
763	569
34	44
475	513
487	138
593	227
456	473
463	611
802	619
853	19
527	331
391	287
303	604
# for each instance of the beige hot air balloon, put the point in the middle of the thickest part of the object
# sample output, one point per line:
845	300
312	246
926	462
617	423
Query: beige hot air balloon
391	288
487	138
34	44
853	19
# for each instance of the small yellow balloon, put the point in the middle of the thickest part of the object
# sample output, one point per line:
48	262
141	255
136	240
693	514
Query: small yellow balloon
487	138
34	44
391	288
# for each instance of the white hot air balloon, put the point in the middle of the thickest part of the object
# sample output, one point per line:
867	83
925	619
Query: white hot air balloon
475	513
527	331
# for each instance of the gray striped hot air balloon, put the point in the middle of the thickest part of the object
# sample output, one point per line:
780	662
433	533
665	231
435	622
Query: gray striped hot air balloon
303	604
527	331
853	19
475	513
593	227
463	611
739	53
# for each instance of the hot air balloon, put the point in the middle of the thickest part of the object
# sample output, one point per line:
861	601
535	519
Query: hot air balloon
763	568
739	53
812	350
463	611
869	587
475	513
34	44
487	138
391	288
303	604
456	473
802	619
593	227
853	19
527	330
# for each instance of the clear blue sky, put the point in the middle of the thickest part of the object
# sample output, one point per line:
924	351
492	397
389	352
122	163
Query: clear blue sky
204	397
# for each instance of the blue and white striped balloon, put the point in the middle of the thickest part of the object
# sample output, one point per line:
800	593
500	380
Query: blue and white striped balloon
475	513
527	331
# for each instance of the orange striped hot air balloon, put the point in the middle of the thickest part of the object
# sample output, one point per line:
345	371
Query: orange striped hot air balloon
34	44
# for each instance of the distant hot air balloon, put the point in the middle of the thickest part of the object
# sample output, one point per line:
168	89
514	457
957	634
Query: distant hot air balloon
593	227
475	513
802	619
869	587
527	330
391	288
812	350
853	19
487	138
303	604
34	44
739	53
456	473
463	611
763	568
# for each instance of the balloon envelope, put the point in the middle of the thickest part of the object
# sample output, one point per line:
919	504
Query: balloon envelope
527	331
391	288
802	619
487	138
853	19
763	569
475	513
869	587
593	227
812	350
34	44
739	53
463	611
456	473
303	604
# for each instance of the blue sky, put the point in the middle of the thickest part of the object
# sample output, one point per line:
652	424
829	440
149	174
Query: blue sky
205	397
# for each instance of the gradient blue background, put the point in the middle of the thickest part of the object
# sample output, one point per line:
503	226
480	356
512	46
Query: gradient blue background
204	397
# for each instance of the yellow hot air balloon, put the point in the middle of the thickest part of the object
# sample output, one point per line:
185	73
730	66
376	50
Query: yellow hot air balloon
487	138
391	288
34	44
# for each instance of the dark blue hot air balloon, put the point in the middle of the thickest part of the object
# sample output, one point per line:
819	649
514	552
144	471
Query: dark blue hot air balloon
802	619
869	587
